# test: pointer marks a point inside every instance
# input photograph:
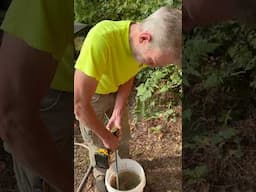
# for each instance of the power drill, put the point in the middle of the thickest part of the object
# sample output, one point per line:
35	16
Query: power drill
102	158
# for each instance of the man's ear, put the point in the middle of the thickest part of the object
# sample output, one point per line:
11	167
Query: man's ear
145	37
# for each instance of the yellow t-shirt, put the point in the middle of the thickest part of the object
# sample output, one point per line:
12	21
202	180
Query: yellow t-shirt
46	25
107	57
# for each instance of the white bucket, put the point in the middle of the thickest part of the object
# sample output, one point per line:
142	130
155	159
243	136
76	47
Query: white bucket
126	165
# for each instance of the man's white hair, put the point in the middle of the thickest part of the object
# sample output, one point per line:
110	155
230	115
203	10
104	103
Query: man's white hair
165	26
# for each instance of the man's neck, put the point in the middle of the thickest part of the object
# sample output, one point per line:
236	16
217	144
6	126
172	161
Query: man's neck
133	32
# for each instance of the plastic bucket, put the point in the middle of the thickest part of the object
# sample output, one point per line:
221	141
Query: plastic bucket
126	165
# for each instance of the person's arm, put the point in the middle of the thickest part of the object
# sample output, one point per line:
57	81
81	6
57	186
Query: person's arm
120	104
84	88
25	75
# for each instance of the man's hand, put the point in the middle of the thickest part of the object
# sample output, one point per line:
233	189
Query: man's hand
115	123
110	141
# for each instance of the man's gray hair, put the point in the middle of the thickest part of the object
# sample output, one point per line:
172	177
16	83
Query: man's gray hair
165	25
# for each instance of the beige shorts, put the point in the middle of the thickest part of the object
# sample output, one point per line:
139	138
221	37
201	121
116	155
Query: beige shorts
103	106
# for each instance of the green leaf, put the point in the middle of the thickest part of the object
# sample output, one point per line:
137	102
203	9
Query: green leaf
213	80
197	172
201	170
216	139
186	115
192	71
227	133
156	129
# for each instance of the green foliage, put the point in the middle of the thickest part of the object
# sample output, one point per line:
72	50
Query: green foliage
156	129
196	175
219	68
234	51
214	62
159	93
91	12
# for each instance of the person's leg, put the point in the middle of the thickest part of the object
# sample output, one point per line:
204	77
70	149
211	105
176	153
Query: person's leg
123	149
100	104
93	144
91	140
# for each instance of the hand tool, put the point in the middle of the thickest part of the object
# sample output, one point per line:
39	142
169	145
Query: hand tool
117	178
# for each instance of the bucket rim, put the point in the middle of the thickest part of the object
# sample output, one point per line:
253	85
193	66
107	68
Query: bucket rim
142	177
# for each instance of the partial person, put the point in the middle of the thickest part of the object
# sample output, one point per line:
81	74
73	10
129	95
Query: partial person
112	54
36	99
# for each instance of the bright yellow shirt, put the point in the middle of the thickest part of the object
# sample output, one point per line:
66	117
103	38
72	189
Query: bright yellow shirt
106	56
46	25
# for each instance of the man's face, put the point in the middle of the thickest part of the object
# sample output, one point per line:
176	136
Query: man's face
154	57
146	53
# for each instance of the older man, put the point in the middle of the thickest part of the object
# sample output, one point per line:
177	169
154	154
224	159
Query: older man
112	54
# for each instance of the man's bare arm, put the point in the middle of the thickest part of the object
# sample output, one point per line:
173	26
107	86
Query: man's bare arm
122	96
84	88
120	104
25	75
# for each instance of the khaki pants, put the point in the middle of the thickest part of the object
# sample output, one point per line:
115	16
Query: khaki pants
103	105
57	115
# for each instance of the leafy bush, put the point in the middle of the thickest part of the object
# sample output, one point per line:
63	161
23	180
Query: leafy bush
159	93
219	70
217	65
91	12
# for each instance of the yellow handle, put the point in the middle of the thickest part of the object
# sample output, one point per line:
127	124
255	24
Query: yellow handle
103	151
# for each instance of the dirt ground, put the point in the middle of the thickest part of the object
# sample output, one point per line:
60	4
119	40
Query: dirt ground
159	154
